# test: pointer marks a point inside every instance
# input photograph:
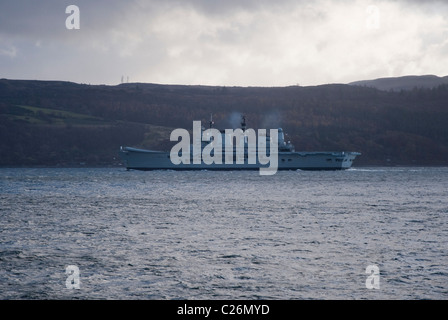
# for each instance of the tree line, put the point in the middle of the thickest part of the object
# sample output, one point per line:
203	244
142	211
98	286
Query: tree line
408	127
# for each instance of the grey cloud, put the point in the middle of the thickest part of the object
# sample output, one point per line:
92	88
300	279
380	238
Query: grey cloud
47	18
233	42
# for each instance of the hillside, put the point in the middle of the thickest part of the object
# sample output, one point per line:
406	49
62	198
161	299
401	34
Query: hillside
54	123
403	83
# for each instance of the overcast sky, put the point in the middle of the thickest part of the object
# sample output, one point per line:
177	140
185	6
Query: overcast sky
229	43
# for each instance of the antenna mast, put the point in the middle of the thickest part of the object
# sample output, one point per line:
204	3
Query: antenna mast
243	122
211	120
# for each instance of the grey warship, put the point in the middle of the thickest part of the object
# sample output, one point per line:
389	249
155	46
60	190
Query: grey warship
288	158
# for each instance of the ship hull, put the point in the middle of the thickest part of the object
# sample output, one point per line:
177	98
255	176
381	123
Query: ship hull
140	159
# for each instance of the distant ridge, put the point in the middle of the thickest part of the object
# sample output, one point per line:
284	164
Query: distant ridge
403	83
59	123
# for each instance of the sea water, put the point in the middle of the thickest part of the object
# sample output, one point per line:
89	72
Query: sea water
223	235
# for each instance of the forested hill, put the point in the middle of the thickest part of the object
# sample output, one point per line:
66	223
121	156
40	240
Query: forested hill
54	123
403	83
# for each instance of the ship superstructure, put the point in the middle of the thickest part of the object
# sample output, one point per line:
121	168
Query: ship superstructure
288	158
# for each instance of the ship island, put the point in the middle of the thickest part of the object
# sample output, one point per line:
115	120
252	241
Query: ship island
287	158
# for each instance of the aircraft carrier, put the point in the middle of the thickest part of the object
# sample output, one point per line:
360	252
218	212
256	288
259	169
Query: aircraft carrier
288	158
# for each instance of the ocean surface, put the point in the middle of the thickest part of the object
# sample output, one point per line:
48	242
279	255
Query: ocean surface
223	235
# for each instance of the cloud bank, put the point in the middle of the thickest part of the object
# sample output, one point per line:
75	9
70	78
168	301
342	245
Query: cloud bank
241	43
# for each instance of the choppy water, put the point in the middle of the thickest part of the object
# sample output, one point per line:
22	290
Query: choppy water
224	235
